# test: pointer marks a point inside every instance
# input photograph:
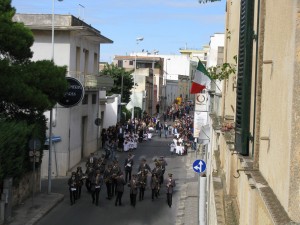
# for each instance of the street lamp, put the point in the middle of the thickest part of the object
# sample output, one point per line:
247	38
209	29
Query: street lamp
137	42
51	111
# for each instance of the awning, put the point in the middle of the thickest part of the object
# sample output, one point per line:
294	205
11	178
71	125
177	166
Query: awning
54	139
204	135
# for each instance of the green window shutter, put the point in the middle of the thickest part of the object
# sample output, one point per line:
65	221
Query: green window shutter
243	99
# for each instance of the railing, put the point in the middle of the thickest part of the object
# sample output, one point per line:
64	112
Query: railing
92	81
87	80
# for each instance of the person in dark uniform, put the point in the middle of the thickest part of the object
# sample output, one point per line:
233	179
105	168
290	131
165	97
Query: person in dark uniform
97	182
89	175
108	181
157	108
119	188
92	161
133	189
144	167
163	164
72	182
128	164
154	185
116	169
157	170
80	177
142	183
170	184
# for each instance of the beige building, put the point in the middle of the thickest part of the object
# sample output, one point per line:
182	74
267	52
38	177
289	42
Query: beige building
254	167
148	75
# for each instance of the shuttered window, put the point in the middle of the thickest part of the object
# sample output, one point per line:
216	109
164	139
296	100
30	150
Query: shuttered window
243	99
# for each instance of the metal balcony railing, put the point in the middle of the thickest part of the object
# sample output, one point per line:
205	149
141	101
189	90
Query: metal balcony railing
93	81
87	80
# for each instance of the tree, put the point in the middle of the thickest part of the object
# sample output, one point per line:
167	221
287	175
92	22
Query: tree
116	73
28	89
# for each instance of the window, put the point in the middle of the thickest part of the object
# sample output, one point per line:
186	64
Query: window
96	63
85	99
94	99
77	60
131	63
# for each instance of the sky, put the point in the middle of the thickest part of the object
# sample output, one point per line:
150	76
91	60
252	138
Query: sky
165	25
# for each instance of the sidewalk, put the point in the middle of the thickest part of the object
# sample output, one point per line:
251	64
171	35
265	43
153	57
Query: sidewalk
188	209
30	212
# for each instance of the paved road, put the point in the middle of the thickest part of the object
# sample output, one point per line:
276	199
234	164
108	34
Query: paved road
147	212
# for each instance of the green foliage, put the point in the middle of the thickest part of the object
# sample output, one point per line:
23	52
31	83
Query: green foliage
15	39
223	71
116	73
28	89
137	112
13	142
126	114
34	87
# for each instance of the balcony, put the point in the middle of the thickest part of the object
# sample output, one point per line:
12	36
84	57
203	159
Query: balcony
93	81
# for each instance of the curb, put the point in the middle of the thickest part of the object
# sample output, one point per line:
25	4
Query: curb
46	210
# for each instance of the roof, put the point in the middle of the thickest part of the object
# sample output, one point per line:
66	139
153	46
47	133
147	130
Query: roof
62	23
143	58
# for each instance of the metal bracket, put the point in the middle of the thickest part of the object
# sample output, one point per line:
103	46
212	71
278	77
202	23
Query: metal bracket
238	172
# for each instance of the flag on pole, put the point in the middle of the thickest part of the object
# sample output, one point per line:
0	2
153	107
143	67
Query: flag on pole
200	80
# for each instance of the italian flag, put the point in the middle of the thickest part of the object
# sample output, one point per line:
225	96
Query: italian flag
200	79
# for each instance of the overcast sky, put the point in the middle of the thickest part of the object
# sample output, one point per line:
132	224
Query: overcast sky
166	25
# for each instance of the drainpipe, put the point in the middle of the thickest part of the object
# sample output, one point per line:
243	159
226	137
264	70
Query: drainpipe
258	81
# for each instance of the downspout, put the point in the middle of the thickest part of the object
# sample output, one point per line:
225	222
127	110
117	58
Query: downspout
258	82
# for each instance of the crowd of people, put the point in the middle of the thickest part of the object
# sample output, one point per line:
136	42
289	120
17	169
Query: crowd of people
107	171
115	177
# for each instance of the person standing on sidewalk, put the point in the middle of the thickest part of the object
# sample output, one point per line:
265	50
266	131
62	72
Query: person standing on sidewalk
170	184
119	188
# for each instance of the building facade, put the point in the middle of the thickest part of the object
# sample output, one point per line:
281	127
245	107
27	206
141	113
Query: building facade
255	149
77	46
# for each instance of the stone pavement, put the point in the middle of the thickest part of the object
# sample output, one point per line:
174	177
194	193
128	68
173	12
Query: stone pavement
188	209
30	212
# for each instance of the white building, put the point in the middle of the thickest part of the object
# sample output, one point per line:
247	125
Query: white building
77	46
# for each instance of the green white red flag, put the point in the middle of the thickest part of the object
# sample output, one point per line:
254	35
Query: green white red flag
201	79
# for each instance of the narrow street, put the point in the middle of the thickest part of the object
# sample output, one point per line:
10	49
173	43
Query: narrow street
146	212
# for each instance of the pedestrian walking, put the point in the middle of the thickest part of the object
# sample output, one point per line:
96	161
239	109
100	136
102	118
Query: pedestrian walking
142	184
116	170
154	183
80	178
108	181
72	182
128	164
133	190
119	188
97	182
170	184
166	129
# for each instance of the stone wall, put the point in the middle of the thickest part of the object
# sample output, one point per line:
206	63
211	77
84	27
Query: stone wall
24	189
